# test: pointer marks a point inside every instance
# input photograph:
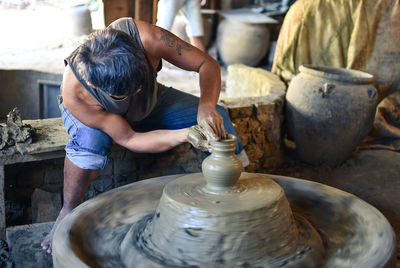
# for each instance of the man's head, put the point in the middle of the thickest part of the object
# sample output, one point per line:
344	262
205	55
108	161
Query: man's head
112	62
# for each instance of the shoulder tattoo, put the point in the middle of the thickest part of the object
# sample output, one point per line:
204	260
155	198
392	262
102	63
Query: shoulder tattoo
171	41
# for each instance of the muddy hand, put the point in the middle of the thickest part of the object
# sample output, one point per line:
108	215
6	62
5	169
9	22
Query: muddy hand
211	121
200	137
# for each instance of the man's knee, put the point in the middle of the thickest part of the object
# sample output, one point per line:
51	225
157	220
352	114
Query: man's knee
85	159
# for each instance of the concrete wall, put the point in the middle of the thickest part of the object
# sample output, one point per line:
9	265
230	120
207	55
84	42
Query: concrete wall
20	88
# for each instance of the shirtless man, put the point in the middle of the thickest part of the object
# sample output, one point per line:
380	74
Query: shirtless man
110	93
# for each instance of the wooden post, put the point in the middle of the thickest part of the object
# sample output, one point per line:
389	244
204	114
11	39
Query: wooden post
2	205
155	4
115	9
144	10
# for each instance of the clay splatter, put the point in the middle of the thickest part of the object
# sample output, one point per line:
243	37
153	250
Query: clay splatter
14	133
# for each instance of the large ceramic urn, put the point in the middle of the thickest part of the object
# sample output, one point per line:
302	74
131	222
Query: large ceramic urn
81	20
243	37
329	111
240	42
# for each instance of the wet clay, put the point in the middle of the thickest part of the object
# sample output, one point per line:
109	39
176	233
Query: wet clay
16	134
201	221
222	168
250	227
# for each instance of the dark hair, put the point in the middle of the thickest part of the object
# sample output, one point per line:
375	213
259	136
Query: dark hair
111	61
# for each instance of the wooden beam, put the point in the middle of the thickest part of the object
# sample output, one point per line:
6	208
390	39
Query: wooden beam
115	9
155	5
144	10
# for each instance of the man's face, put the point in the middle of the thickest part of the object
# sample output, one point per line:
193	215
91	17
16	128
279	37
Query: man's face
120	97
117	97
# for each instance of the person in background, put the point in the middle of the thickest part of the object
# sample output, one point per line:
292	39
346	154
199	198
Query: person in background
191	10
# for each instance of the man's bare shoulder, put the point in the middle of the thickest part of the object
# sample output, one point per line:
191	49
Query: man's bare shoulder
73	91
148	33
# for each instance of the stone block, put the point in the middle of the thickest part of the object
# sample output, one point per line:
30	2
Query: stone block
129	155
240	111
241	124
254	152
24	243
253	124
182	158
124	166
273	160
258	136
165	162
192	166
254	166
45	205
103	184
182	148
245	138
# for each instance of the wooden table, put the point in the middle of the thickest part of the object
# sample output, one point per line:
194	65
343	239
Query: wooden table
49	142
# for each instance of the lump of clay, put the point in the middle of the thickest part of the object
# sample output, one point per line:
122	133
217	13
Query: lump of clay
15	132
245	81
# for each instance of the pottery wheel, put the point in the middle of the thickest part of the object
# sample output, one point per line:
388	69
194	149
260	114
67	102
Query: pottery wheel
98	232
249	225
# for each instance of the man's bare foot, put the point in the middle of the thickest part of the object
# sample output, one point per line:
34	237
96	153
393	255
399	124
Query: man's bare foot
47	242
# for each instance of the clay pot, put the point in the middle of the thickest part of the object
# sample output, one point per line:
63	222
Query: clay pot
329	111
222	168
240	42
81	19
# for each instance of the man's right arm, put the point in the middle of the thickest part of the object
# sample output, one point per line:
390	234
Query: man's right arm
93	115
150	142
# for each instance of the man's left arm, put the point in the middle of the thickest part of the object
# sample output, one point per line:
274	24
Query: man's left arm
162	44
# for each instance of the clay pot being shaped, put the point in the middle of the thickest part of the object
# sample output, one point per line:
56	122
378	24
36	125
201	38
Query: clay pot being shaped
329	111
240	42
222	168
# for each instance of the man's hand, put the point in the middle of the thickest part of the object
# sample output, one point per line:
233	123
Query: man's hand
211	121
201	138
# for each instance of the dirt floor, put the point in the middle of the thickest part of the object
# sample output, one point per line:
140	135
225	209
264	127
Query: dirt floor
33	39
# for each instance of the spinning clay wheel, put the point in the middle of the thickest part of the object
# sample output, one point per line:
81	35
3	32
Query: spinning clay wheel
224	218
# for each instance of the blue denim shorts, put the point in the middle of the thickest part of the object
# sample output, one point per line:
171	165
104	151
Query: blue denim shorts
88	148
